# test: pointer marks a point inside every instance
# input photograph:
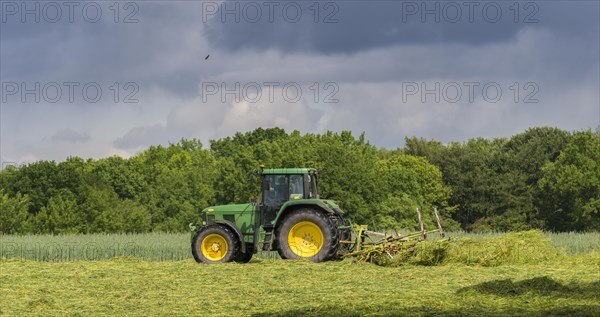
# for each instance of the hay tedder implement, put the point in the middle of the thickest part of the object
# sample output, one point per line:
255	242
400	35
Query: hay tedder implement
290	218
380	248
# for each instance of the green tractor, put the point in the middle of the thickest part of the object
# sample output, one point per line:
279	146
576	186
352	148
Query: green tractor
289	217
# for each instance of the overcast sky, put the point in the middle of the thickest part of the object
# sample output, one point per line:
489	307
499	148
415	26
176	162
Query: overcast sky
95	79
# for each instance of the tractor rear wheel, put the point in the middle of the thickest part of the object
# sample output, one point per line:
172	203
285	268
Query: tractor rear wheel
214	244
307	234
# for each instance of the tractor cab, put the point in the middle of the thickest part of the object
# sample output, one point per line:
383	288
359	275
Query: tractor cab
279	186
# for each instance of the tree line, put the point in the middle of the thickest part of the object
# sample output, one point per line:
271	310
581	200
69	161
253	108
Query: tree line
543	178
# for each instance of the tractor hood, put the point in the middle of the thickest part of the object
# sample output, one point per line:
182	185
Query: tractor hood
229	208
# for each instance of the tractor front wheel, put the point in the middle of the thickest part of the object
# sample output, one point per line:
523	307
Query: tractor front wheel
307	234
214	244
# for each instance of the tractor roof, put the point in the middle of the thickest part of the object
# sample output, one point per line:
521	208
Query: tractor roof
279	171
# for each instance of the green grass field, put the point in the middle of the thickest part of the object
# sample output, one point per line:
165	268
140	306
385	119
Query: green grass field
151	281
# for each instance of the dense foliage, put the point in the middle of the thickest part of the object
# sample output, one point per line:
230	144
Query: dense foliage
543	178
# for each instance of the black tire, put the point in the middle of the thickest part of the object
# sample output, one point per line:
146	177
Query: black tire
345	234
317	218
242	257
213	254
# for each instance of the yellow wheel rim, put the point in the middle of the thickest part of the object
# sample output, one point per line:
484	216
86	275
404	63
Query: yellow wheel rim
214	247
305	239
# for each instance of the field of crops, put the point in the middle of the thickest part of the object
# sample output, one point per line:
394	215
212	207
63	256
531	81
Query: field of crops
152	274
176	246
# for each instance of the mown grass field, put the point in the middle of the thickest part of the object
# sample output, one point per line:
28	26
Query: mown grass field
288	288
568	285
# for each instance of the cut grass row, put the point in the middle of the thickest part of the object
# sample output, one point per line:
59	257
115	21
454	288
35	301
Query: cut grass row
297	288
176	246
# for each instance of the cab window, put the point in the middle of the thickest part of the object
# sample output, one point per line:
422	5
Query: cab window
276	189
296	187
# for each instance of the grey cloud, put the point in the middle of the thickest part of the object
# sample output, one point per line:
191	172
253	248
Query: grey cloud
215	118
70	135
158	50
533	53
142	136
364	25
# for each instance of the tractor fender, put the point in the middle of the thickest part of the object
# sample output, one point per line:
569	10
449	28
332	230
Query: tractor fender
235	229
293	205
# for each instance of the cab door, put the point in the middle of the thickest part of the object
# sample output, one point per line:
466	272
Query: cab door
275	192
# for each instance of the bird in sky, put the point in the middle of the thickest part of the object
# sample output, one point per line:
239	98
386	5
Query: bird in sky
207	56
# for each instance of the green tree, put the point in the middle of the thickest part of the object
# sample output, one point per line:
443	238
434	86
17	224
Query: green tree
573	182
410	182
523	157
123	216
37	180
179	183
471	170
13	213
62	215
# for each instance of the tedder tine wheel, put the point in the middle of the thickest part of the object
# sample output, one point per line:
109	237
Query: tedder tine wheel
307	234
215	244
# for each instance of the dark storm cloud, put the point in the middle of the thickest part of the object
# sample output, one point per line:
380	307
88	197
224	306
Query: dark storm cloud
142	44
352	26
